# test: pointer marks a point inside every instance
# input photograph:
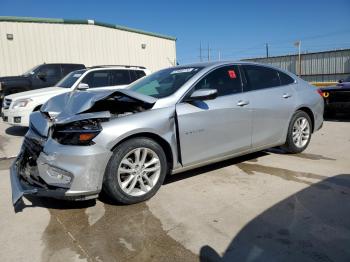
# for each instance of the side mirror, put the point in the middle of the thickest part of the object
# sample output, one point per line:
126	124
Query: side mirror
203	94
41	75
83	86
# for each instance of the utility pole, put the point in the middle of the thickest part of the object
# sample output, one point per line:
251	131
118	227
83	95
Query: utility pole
208	53
267	50
298	44
299	58
219	54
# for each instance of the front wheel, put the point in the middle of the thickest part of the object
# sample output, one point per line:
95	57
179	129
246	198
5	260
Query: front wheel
299	133
135	171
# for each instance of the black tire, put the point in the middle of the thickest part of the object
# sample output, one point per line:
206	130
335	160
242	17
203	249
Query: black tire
110	184
290	146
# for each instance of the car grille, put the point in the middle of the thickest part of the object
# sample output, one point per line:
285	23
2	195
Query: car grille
6	104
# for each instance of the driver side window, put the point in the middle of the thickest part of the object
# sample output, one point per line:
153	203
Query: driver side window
226	80
50	70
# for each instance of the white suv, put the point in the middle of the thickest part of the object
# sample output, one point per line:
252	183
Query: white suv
17	107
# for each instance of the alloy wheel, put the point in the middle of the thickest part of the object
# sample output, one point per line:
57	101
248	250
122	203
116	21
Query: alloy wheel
139	171
301	132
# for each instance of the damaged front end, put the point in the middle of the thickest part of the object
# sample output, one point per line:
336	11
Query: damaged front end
59	157
24	172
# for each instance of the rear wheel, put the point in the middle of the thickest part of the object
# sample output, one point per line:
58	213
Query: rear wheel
299	133
135	171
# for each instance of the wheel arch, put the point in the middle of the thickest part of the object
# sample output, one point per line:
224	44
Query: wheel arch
308	111
161	141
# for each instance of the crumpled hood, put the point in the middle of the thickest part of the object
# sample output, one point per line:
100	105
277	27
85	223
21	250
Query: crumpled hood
66	107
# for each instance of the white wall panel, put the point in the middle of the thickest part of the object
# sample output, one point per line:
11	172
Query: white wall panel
36	43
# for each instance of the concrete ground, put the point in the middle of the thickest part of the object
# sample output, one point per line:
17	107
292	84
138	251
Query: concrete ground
266	206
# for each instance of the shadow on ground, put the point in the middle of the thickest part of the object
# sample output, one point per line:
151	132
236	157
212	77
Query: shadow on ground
16	130
311	225
201	170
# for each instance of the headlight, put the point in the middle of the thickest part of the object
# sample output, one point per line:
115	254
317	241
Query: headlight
77	133
21	103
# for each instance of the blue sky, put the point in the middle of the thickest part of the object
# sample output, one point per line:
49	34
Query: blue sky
235	29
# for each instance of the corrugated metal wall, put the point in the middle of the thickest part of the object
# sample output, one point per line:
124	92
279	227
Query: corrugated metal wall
316	67
36	43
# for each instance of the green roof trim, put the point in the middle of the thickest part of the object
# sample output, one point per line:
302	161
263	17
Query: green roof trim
79	21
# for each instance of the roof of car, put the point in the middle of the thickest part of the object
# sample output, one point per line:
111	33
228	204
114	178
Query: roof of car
218	63
63	64
118	66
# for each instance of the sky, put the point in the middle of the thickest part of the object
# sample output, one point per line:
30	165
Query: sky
232	29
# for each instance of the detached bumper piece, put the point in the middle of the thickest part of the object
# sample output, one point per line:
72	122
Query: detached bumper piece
24	175
17	190
20	187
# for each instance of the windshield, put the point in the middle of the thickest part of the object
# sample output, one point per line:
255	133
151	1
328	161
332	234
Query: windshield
30	71
69	80
164	82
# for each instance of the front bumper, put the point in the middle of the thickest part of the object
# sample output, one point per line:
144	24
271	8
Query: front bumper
15	118
85	165
20	187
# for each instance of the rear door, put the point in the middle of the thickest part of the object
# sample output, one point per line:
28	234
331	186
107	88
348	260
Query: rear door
272	99
218	127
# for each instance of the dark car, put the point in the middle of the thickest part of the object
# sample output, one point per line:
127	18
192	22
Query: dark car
337	98
344	82
40	76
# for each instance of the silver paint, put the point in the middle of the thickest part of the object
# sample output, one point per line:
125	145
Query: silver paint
203	131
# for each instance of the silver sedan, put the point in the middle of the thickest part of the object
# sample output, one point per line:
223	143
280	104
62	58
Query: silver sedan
125	142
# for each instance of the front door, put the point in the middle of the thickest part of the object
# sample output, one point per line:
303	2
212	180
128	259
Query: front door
47	75
218	127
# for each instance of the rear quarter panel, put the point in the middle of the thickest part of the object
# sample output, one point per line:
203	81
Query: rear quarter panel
308	97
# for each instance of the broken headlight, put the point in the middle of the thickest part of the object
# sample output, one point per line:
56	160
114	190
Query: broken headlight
77	133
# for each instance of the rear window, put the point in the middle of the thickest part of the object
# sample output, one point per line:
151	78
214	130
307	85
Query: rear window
260	77
120	77
285	79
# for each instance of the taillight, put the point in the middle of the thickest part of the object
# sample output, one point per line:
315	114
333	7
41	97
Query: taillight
322	93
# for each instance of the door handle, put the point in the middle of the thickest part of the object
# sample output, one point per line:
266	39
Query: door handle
286	95
242	103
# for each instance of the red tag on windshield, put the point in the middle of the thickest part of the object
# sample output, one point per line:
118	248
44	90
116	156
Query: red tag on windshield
232	74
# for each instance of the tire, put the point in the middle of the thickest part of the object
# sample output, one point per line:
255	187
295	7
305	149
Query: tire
302	136
125	178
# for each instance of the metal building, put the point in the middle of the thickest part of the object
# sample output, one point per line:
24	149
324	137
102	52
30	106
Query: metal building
327	66
26	42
